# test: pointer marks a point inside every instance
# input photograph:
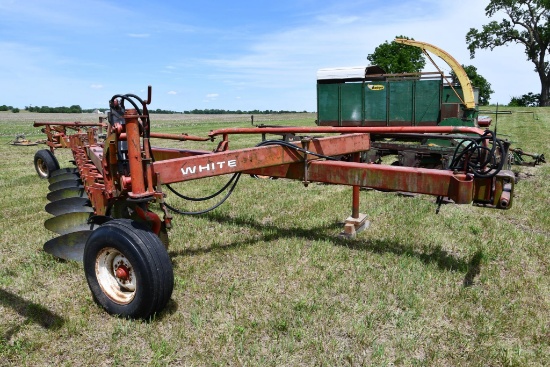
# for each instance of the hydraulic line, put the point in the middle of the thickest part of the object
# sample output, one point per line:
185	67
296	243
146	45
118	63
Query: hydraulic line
205	197
487	167
237	175
234	180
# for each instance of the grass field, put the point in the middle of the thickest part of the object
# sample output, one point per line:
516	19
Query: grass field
264	280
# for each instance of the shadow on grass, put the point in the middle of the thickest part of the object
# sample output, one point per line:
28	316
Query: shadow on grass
33	312
438	256
474	268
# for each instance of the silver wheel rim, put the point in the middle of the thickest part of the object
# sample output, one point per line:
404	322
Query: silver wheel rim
115	275
42	167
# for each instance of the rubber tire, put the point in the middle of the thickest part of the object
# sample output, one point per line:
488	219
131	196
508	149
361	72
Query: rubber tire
45	163
149	259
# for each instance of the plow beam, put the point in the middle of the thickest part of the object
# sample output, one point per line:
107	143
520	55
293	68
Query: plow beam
215	164
351	130
457	186
68	124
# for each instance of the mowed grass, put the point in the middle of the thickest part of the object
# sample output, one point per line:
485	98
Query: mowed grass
264	280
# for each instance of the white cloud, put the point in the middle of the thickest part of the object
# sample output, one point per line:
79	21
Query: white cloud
172	92
96	86
212	95
288	60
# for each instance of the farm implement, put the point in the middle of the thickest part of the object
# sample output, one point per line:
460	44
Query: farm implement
367	96
103	206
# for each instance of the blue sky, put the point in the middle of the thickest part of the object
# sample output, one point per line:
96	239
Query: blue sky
230	55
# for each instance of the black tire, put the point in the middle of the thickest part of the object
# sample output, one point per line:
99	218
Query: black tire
128	269
45	163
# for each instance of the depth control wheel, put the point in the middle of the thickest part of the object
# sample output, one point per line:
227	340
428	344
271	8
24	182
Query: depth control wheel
45	163
128	269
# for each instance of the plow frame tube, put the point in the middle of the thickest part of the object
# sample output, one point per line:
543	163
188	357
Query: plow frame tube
234	161
351	130
284	162
457	186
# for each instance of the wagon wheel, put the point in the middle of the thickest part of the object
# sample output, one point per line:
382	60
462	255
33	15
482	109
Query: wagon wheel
128	269
45	163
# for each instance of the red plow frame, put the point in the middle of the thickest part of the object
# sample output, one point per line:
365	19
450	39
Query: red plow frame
122	242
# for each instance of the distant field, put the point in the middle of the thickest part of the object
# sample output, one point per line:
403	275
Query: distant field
264	280
22	122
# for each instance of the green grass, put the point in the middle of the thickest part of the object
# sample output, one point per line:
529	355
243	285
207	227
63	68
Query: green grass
265	280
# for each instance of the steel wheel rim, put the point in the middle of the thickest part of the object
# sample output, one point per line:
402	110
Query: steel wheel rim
115	275
42	167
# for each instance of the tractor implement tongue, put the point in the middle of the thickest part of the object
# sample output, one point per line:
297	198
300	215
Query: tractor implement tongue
71	192
69	246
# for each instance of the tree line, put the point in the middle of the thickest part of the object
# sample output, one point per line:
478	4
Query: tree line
9	108
47	109
78	109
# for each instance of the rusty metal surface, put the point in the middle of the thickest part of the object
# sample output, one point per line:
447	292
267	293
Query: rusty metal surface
180	137
162	154
459	187
232	161
134	154
66	124
351	130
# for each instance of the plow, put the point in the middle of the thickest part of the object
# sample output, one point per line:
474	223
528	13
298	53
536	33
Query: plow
112	211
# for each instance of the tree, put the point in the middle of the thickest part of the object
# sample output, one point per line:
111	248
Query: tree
479	82
527	100
528	24
75	109
398	58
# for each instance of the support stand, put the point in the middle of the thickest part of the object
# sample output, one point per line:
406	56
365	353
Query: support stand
357	222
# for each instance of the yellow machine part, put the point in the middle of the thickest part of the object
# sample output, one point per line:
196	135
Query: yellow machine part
469	99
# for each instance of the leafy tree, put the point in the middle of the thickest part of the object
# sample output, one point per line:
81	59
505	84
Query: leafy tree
15	110
527	23
75	109
396	58
478	81
526	100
